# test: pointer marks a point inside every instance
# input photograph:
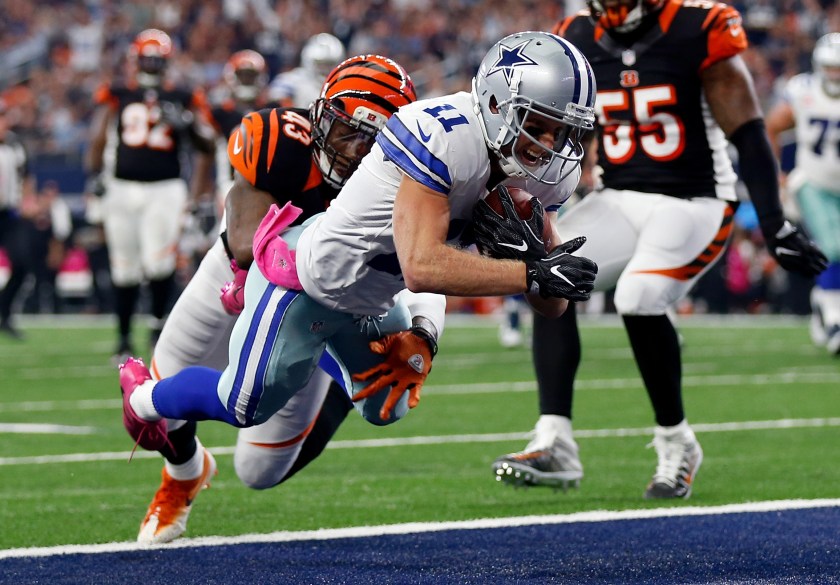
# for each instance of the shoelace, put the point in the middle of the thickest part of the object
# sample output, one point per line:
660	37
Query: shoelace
670	457
168	443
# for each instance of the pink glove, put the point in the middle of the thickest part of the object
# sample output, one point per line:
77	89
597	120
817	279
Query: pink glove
233	292
271	253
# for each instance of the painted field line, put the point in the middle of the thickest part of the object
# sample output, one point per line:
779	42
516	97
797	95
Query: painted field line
44	429
448	439
423	527
783	378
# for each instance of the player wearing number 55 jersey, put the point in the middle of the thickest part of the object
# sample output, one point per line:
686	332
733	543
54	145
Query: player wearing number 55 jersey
139	131
672	88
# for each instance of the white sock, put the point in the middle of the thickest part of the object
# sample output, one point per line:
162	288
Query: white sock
681	429
141	401
192	469
560	424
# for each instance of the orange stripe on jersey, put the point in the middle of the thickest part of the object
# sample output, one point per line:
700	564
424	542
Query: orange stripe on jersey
667	14
288	443
154	369
273	137
706	257
201	106
726	35
560	26
315	178
244	146
103	96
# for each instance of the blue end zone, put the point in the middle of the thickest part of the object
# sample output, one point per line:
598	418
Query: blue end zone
793	546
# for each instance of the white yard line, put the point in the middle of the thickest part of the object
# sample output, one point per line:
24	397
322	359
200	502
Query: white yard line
781	378
789	423
421	527
44	429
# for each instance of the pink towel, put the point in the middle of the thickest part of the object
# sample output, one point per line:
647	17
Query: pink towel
233	292
271	253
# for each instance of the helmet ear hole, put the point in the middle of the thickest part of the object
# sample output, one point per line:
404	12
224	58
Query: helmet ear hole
493	105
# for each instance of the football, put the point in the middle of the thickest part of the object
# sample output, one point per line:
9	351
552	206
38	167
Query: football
522	203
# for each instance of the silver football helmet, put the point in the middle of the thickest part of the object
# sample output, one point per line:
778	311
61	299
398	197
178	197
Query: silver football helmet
826	61
535	74
321	53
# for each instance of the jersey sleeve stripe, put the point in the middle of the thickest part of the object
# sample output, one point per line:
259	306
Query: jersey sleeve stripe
273	138
407	165
412	156
314	179
667	14
726	37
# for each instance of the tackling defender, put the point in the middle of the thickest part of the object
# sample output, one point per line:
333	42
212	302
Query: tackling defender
279	155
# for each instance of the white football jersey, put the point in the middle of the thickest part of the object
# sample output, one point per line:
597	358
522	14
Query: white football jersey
817	132
347	259
296	88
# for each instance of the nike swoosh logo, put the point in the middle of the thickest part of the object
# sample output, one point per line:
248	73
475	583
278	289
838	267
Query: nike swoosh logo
423	136
523	247
237	147
555	270
780	251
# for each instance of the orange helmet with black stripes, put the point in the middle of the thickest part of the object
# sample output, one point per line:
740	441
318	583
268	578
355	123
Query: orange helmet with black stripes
358	97
622	15
149	54
245	74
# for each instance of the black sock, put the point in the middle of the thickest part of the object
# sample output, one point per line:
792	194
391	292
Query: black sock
183	446
557	353
125	301
161	293
656	347
333	412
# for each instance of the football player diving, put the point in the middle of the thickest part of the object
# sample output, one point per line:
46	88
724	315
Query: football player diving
334	292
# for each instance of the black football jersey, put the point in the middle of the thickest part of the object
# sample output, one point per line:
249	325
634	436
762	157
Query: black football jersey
272	150
226	117
656	133
148	147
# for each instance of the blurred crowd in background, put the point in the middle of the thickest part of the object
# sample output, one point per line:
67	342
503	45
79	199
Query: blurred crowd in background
54	53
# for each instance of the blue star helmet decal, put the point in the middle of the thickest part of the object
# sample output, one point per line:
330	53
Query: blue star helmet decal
510	57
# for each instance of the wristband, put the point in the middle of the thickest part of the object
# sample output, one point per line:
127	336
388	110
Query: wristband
426	336
531	273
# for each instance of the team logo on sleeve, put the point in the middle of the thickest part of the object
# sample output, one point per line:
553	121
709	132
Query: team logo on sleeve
509	59
733	23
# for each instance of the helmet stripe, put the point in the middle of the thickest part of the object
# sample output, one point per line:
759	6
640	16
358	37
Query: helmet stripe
584	82
366	96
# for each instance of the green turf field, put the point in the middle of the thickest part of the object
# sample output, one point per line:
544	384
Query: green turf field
764	402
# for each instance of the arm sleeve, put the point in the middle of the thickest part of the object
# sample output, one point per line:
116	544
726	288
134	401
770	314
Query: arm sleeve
759	172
